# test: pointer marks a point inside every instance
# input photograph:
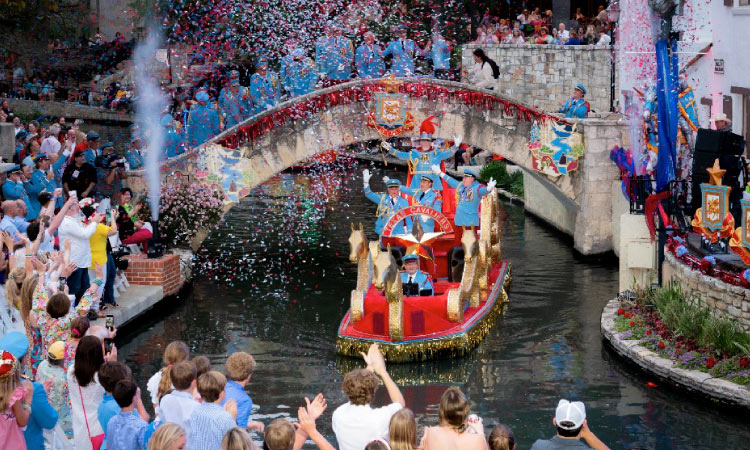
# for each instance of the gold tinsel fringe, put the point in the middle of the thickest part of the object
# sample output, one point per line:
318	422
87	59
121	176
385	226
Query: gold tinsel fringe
447	347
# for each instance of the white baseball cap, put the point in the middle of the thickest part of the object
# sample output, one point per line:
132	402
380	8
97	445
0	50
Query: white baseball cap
570	412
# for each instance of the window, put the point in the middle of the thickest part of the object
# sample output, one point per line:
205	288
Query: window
744	2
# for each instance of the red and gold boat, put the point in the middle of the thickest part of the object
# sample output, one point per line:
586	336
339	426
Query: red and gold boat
470	282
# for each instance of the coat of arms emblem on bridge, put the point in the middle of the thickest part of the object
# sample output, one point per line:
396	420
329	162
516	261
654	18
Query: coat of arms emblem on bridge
555	147
390	117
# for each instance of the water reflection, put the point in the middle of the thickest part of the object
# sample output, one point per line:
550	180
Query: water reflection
278	285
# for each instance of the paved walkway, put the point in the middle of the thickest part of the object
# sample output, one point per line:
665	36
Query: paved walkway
133	303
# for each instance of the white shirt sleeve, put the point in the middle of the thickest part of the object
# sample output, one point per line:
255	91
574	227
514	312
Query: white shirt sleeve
485	79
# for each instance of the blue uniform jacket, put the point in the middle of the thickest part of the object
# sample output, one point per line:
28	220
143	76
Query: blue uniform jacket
422	279
369	61
16	191
34	187
264	91
421	163
135	159
284	75
575	108
203	124
440	53
301	77
174	143
231	107
403	53
430	198
386	210
334	57
90	154
467	201
43	416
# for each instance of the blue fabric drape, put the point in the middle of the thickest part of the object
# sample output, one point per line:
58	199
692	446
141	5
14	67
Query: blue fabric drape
666	93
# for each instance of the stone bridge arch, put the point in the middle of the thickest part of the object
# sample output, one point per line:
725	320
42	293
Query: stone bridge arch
300	128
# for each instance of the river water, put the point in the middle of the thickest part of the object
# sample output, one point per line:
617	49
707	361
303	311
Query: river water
275	282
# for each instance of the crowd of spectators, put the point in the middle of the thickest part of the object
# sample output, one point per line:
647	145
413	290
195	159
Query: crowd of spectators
71	74
537	27
67	379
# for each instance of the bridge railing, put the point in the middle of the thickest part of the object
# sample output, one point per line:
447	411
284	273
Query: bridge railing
356	91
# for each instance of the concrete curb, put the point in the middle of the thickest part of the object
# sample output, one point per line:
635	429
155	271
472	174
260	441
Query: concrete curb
694	381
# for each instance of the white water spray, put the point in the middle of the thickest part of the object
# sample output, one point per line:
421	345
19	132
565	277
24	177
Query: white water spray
149	108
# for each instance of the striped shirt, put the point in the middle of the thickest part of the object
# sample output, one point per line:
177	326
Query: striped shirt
207	426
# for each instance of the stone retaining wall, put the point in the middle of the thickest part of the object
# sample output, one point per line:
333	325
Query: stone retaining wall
724	300
691	380
544	75
70	111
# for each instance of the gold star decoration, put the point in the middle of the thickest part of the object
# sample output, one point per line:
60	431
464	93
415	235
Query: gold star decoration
716	173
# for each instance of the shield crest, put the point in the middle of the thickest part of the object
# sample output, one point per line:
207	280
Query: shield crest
390	109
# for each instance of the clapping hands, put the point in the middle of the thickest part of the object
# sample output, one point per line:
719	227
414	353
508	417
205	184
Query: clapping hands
374	360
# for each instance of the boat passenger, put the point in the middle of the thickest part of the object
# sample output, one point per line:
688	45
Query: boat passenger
414	281
425	195
389	203
468	195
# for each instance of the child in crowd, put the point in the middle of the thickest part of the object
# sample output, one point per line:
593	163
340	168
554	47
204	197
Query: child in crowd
110	373
237	439
378	444
169	436
78	328
239	367
51	371
126	430
501	438
281	435
402	431
161	381
209	421
203	364
178	405
15	402
453	429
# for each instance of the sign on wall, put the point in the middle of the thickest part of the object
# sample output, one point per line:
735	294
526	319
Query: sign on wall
555	147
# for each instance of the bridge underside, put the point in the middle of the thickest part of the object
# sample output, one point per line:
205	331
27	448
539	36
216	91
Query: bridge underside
296	130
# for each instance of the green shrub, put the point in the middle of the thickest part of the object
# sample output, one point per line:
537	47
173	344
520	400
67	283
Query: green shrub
688	316
498	170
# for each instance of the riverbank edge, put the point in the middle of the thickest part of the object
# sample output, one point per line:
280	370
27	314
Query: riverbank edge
693	381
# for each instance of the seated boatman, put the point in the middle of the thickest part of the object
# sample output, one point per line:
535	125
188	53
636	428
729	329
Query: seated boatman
468	195
389	203
424	196
414	281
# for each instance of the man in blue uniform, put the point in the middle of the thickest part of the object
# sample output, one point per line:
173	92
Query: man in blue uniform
264	87
300	74
133	155
403	51
92	147
414	281
13	189
42	180
576	107
230	102
424	196
285	63
203	121
334	55
440	53
421	160
174	144
369	59
388	204
468	194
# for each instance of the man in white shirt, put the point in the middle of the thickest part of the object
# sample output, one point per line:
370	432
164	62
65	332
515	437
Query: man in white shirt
73	230
562	33
50	144
604	39
356	422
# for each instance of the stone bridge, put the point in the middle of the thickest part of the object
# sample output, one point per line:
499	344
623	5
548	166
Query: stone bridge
297	129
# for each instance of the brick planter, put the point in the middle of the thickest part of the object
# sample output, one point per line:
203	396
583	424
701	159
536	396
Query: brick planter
164	272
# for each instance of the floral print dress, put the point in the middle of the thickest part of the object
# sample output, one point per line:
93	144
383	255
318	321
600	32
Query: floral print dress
59	329
11	435
35	355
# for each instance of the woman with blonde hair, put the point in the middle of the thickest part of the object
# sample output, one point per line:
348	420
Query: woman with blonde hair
402	431
501	438
237	439
161	382
168	436
454	430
